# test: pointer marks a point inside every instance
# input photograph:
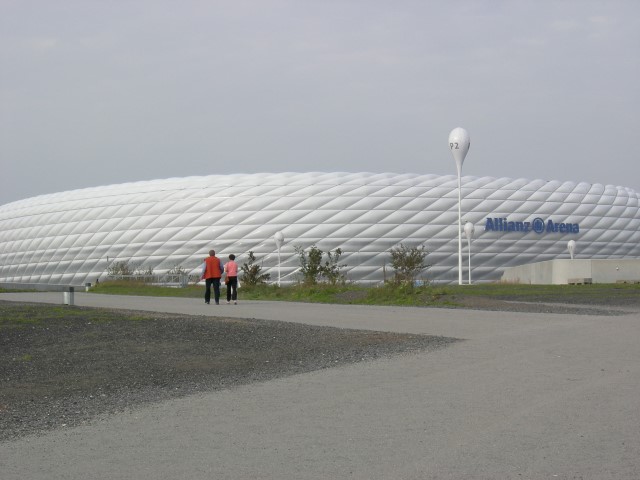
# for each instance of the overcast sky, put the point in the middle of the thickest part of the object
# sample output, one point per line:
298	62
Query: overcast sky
100	92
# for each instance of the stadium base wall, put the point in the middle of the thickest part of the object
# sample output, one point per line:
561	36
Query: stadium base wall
576	271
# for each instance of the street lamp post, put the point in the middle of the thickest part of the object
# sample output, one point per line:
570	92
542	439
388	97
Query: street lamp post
468	231
279	239
459	145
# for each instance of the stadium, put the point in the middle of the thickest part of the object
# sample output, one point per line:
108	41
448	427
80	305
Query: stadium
162	225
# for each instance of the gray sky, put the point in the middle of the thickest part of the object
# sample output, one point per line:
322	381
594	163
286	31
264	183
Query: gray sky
101	92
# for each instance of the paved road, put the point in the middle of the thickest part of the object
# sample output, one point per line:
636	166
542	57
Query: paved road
525	396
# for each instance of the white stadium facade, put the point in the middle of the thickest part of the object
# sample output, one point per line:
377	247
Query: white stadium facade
72	237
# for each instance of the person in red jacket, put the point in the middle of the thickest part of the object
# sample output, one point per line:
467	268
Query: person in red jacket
211	272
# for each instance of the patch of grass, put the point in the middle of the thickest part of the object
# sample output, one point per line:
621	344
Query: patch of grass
391	294
124	287
387	294
262	292
407	295
321	293
600	292
17	316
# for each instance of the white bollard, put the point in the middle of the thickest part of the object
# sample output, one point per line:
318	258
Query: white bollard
67	297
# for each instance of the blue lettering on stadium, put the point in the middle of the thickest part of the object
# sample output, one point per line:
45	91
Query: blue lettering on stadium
537	225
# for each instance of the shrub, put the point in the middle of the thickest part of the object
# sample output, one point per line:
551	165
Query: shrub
177	270
331	270
313	270
310	264
408	263
120	268
144	271
252	273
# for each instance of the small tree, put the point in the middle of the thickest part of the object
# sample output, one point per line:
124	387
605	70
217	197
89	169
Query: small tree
408	263
331	268
251	273
312	268
120	268
310	264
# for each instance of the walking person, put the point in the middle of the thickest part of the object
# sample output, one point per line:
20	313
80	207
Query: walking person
212	269
231	269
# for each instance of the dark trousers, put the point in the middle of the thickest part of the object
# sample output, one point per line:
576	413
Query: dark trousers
216	290
232	289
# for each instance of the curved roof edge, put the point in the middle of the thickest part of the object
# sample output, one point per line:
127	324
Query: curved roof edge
294	177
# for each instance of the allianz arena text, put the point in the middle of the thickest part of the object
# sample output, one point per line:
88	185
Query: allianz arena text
72	237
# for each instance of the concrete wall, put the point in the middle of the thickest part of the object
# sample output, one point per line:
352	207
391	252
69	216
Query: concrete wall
611	271
561	272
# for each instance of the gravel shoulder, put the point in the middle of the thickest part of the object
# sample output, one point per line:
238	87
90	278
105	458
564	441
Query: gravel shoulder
66	369
568	305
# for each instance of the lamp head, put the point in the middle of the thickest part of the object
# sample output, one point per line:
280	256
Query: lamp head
468	230
459	145
279	238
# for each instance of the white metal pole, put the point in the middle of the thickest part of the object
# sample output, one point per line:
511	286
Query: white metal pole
468	231
469	261
279	239
278	266
459	145
459	229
